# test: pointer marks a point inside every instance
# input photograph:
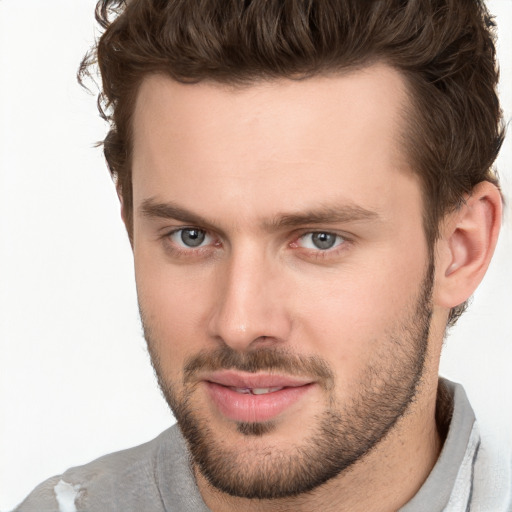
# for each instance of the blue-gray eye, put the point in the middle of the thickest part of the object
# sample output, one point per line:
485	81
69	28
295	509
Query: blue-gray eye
320	240
323	240
192	237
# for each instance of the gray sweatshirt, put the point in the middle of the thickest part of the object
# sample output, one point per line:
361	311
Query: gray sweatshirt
156	476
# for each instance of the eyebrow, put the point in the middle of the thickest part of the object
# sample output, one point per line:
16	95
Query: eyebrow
156	210
323	215
326	214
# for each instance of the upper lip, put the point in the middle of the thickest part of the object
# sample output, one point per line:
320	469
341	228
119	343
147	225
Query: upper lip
235	379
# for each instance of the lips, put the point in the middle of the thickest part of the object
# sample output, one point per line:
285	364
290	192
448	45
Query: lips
246	397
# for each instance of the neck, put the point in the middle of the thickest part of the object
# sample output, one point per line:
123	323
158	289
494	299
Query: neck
383	480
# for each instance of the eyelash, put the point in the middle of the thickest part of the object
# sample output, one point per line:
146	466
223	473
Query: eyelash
343	242
199	251
184	251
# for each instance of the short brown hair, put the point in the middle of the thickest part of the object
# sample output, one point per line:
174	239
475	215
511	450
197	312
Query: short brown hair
444	48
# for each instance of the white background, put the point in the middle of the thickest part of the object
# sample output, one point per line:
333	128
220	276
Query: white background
75	379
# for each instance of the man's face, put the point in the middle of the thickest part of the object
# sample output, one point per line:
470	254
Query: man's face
282	271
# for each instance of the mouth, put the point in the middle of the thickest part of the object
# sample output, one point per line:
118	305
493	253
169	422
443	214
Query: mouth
254	398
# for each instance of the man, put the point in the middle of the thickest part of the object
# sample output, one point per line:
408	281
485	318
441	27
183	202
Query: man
309	195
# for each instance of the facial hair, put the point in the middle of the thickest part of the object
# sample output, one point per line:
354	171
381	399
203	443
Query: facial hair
341	435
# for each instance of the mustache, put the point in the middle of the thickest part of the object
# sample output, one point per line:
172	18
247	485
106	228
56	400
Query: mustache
263	359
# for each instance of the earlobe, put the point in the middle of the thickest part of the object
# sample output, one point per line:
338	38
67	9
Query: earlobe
467	242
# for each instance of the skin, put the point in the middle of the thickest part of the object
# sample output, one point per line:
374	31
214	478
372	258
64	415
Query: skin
240	159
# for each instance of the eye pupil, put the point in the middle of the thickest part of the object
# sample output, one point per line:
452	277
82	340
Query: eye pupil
323	240
192	237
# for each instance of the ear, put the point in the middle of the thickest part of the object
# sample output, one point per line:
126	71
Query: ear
121	202
467	241
124	216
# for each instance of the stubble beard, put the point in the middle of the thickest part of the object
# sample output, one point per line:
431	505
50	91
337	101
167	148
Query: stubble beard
342	434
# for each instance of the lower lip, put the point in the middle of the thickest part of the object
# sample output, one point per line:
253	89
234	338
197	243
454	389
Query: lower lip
254	408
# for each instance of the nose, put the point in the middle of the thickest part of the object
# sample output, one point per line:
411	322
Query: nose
250	309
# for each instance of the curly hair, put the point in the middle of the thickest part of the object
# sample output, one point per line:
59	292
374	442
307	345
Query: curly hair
445	50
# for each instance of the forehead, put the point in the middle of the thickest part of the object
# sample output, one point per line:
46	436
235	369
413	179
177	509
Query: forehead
273	145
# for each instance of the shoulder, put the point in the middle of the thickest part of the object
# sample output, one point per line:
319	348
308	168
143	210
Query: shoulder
124	480
492	481
485	472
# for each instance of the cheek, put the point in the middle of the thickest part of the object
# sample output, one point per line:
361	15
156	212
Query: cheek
173	303
351	317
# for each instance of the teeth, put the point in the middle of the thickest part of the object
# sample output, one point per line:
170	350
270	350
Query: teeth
264	391
256	391
245	391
